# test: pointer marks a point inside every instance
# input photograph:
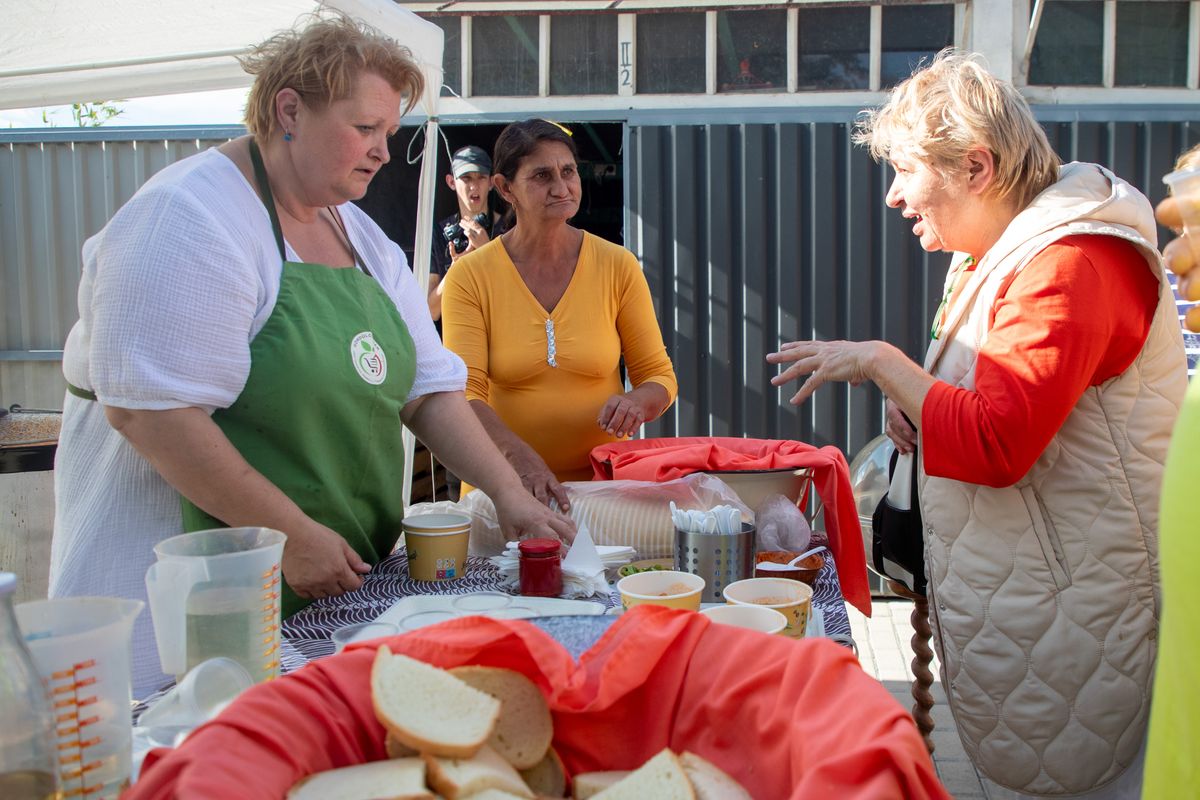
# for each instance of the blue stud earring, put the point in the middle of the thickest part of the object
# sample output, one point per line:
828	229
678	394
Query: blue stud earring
287	136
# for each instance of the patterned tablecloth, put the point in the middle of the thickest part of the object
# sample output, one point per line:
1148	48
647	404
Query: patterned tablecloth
306	634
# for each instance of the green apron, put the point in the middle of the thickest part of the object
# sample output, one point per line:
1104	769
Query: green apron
320	414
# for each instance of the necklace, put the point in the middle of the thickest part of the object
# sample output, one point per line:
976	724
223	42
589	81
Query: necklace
961	273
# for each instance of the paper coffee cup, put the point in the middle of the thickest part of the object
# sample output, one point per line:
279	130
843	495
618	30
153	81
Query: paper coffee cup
756	618
437	546
791	598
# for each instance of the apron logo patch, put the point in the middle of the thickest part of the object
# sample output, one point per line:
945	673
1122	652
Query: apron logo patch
368	358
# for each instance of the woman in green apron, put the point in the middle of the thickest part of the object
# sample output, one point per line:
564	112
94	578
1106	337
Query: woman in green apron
250	345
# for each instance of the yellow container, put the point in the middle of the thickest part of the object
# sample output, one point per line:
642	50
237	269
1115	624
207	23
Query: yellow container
791	598
661	588
437	546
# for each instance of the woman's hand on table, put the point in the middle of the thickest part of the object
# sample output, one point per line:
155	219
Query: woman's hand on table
318	563
537	478
1180	259
523	517
899	429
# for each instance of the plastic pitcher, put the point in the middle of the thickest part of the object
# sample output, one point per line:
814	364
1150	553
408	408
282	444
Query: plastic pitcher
81	646
217	593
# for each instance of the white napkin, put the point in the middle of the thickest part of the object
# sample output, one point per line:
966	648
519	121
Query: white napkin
583	567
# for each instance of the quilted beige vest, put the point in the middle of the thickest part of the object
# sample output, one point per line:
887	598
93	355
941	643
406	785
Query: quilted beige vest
1043	594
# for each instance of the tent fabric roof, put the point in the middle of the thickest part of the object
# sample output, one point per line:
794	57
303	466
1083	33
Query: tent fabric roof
54	52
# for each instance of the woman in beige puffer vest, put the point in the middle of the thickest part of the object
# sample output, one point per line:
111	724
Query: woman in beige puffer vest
1043	409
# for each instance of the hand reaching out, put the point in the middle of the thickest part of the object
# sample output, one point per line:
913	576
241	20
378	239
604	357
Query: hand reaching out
1181	259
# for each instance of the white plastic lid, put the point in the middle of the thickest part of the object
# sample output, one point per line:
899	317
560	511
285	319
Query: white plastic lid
8	583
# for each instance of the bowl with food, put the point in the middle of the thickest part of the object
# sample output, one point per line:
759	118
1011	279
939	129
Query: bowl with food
661	588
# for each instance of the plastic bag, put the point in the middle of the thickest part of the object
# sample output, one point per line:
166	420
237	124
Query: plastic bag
633	514
781	525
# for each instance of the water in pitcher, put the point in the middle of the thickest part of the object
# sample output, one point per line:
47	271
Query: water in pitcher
231	623
28	784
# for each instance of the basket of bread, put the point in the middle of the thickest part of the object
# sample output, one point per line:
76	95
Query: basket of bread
664	705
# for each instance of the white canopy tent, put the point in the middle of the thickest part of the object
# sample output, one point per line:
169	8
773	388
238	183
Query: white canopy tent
54	52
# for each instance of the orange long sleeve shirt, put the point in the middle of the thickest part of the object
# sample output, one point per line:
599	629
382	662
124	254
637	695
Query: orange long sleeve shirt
1077	315
492	320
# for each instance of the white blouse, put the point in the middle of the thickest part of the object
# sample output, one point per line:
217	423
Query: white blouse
174	289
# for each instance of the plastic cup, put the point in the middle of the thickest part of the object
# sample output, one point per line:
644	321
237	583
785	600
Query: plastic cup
755	618
481	602
793	599
1184	185
661	588
437	546
203	692
360	632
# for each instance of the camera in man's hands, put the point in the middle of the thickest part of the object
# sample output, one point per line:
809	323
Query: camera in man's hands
456	236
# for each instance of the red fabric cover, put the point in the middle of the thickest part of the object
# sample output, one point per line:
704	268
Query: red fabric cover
666	459
799	719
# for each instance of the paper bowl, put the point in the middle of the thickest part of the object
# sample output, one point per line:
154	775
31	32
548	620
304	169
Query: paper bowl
791	598
661	588
756	618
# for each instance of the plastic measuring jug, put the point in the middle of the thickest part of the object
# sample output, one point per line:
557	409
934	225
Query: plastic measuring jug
80	646
216	593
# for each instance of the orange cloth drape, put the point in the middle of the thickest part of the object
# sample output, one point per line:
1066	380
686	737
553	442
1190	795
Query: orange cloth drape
798	720
669	458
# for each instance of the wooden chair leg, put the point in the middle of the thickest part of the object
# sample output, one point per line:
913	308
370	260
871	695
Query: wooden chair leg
922	685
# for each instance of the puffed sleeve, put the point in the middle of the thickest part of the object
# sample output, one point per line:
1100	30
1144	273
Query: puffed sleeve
173	303
642	345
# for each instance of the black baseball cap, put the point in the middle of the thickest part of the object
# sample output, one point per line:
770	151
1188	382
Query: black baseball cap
470	159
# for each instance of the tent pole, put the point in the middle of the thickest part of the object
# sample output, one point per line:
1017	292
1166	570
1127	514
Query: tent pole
422	249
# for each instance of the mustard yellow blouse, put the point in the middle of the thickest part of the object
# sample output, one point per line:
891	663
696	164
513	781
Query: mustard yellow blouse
547	374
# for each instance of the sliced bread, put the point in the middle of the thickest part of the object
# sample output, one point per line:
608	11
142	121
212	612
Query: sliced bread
710	781
395	779
524	730
548	777
428	709
397	749
590	784
661	778
456	778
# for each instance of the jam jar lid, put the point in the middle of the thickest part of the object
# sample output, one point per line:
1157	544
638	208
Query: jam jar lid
540	548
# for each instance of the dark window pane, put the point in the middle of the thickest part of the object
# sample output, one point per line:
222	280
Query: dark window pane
912	35
670	53
504	56
1152	44
752	51
583	54
1069	50
451	55
835	46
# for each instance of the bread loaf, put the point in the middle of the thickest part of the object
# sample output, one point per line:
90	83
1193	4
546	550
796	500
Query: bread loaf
524	729
660	778
456	778
395	779
428	709
590	784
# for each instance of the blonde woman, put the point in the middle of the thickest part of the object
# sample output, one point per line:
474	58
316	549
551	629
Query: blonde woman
1054	373
250	343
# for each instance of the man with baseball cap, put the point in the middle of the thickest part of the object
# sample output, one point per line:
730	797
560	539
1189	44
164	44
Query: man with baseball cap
471	227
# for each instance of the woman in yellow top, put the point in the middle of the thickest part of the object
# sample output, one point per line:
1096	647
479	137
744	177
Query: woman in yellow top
543	315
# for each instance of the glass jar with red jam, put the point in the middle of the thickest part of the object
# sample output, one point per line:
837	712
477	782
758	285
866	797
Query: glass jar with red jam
541	567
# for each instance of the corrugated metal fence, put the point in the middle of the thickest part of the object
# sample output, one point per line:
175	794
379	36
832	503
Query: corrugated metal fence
750	235
57	188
